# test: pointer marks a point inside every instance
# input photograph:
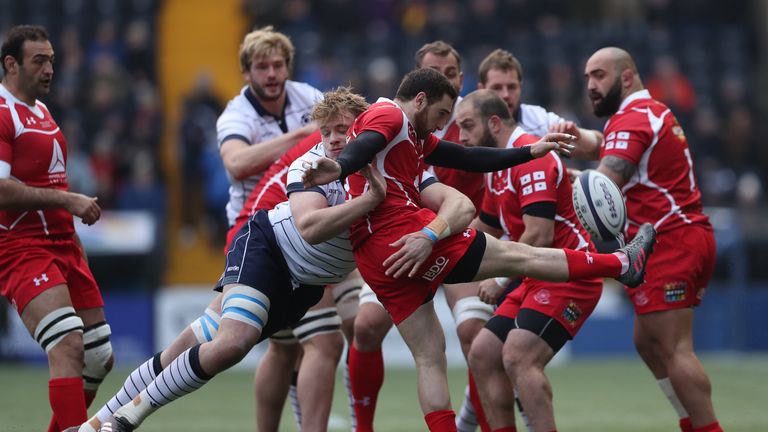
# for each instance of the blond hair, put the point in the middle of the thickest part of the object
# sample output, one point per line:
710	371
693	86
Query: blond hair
502	60
263	42
338	102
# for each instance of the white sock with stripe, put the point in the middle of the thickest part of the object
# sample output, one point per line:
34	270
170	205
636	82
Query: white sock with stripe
350	398
182	376
133	385
293	395
466	421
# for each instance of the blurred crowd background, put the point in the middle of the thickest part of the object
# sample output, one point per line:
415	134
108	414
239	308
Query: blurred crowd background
703	58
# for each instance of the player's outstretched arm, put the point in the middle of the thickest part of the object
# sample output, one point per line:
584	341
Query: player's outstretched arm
587	141
358	153
317	222
18	196
454	213
485	159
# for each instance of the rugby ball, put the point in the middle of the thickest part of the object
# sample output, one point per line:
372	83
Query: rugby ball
599	205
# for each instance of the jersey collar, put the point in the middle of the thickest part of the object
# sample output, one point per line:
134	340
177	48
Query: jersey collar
263	112
640	94
517	133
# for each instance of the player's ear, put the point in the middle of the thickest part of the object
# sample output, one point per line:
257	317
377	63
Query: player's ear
627	78
421	101
494	123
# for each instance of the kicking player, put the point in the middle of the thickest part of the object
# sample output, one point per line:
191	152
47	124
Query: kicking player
366	364
334	114
404	251
530	203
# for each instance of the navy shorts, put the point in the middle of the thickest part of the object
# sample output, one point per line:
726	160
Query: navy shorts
254	259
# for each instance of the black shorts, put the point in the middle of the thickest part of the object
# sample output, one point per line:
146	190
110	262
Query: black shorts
466	269
254	259
547	328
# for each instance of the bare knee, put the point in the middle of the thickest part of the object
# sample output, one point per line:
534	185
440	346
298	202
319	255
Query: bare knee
483	357
370	330
67	357
328	345
230	350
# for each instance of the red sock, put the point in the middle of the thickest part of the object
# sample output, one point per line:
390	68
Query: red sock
712	427
474	397
53	427
441	421
583	265
686	425
506	429
366	375
68	401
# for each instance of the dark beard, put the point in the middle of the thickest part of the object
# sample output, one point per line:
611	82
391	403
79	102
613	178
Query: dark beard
487	140
611	101
259	92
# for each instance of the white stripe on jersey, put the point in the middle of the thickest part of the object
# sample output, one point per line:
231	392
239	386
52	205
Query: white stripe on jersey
240	118
323	263
5	170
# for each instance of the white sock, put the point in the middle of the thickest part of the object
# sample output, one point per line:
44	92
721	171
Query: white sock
135	383
182	376
350	398
293	395
666	387
466	421
624	259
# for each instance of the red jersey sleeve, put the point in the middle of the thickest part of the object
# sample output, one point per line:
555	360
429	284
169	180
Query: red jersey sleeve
7	133
627	136
385	120
430	143
535	181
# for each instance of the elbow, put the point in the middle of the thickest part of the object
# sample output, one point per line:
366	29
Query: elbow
310	234
467	211
235	169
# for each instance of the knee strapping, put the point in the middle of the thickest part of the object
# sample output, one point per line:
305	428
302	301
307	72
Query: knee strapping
247	305
368	296
284	336
317	322
98	354
56	325
206	327
471	308
346	294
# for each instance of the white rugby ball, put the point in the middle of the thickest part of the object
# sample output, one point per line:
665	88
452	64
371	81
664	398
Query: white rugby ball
599	205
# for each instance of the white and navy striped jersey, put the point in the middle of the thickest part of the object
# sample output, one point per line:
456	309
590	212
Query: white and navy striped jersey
536	120
245	119
323	263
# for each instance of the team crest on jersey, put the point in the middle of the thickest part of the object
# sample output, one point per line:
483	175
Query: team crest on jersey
674	292
678	130
572	313
57	169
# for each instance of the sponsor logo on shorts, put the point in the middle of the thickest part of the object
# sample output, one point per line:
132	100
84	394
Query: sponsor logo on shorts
572	313
542	296
435	269
640	299
674	292
233	268
38	281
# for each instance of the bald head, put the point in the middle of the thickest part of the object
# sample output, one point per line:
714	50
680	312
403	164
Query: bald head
611	76
488	103
484	119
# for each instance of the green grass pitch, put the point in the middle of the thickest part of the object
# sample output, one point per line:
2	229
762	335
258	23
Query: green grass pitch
590	395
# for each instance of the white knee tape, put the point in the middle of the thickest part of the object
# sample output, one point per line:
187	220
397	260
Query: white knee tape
206	327
368	296
247	305
346	294
284	336
98	353
317	322
57	324
471	308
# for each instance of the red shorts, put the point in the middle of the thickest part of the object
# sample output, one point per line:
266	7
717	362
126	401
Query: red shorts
570	303
401	297
678	270
30	266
